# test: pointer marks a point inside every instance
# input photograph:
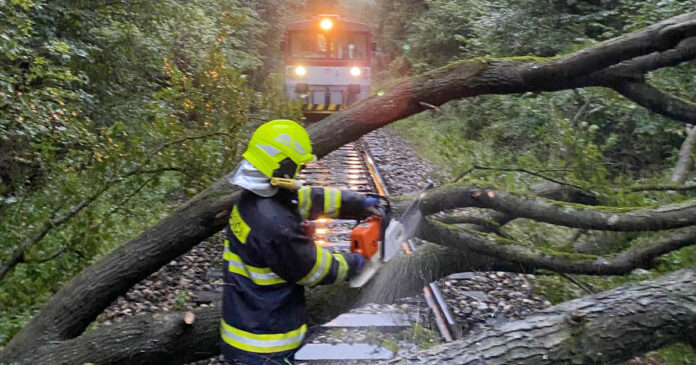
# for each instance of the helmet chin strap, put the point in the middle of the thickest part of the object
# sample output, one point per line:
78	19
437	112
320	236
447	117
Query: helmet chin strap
249	177
289	184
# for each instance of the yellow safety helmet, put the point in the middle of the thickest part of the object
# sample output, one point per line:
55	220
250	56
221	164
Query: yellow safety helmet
279	148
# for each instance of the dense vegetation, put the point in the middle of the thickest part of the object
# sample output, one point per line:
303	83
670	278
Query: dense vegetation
111	113
593	138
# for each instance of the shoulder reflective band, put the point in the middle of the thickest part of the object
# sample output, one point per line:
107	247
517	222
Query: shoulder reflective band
266	343
342	267
304	201
320	269
238	226
258	275
332	202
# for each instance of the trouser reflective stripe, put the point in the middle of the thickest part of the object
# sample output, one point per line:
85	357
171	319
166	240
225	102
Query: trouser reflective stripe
332	202
320	269
262	343
342	267
258	275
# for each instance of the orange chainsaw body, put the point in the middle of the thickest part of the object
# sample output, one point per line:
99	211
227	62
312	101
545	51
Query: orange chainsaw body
364	238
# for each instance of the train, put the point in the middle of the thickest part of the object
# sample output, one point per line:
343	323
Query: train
327	63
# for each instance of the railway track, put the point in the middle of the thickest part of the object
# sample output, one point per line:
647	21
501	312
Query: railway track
374	333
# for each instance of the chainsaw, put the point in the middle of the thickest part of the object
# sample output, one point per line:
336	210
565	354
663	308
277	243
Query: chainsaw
379	237
368	239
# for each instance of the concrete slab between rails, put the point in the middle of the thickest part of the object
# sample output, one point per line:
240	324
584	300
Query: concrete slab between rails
382	321
344	351
462	276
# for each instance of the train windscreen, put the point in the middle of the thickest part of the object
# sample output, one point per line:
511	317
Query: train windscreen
343	45
349	46
305	45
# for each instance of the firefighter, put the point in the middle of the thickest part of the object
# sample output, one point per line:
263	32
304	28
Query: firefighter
268	257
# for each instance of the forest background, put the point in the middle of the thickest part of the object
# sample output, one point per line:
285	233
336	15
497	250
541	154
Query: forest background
112	113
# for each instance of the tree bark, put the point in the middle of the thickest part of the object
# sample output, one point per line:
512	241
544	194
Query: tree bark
95	288
166	339
606	328
531	258
681	171
564	214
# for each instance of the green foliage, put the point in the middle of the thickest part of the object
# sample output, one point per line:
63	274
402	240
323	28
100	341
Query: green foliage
122	110
556	289
180	300
593	138
424	338
443	33
678	354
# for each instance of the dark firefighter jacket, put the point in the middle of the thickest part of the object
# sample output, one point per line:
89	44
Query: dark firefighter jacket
268	260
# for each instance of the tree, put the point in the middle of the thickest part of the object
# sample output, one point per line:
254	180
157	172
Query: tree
619	64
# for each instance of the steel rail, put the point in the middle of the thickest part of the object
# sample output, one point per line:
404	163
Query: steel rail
444	319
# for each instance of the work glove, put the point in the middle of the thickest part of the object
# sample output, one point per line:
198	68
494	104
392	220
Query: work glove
370	202
361	262
370	205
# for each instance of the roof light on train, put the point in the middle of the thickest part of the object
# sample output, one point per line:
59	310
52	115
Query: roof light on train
326	24
300	71
355	71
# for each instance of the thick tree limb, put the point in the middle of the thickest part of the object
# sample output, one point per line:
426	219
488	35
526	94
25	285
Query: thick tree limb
96	287
657	101
606	328
163	338
531	258
558	213
683	52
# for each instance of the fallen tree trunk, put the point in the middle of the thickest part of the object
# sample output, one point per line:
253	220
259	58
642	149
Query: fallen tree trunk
606	328
99	285
166	338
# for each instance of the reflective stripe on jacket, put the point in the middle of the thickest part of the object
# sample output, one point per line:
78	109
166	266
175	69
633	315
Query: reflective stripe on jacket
267	262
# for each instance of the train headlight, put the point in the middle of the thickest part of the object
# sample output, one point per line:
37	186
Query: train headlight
355	71
300	71
326	24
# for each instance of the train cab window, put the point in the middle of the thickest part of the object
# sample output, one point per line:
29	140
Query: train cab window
307	45
349	46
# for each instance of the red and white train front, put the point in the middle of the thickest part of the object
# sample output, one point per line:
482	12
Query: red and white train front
327	63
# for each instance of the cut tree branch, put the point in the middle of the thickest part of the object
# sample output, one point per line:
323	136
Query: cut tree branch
656	100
